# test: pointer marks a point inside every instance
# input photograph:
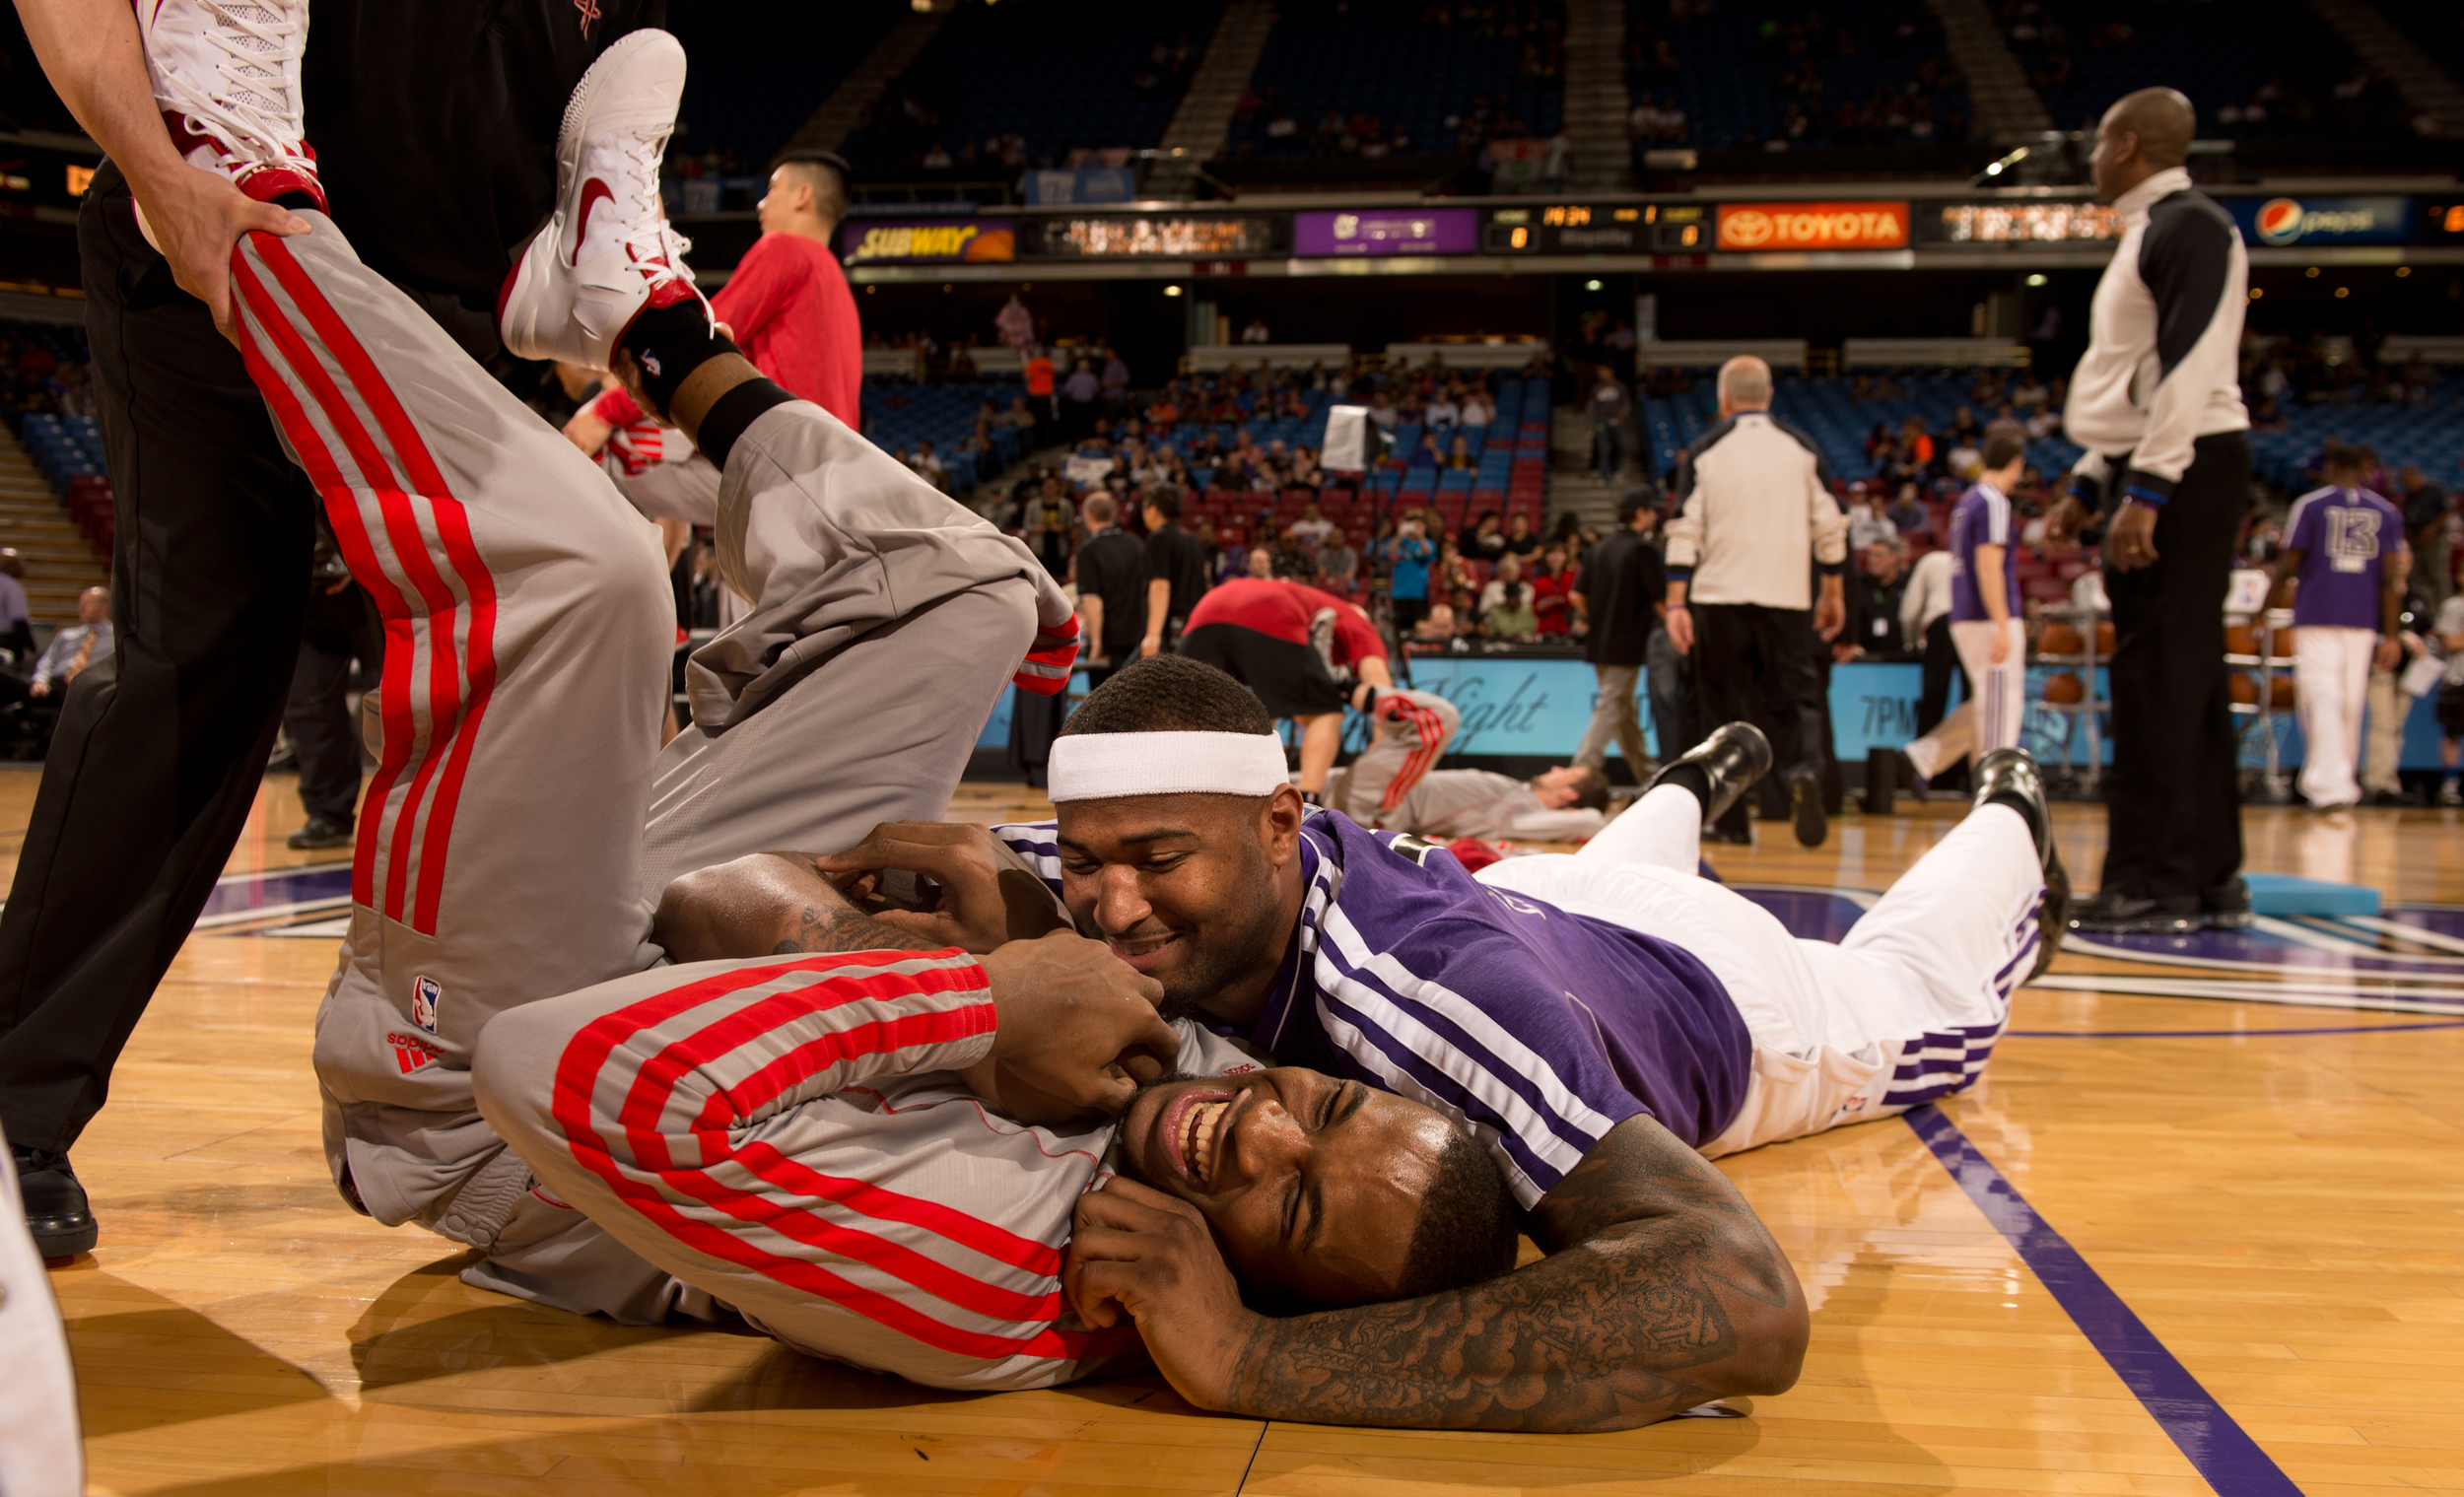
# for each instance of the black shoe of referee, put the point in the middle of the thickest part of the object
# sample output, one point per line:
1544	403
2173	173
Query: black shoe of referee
1805	804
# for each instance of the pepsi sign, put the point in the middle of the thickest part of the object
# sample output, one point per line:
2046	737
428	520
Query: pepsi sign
2275	223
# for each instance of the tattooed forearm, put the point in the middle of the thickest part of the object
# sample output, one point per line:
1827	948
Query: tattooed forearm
1679	1298
839	927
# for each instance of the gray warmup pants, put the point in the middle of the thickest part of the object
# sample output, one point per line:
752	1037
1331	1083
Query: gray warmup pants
1615	715
501	854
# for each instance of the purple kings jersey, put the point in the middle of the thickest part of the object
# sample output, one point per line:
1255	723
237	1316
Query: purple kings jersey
1981	517
2343	536
1542	1030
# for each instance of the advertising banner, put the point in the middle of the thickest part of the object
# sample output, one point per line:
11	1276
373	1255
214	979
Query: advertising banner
2274	222
927	242
1118	236
1813	226
2011	223
1386	231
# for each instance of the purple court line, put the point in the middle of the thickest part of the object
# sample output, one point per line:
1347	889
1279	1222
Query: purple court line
2222	1452
2217	1034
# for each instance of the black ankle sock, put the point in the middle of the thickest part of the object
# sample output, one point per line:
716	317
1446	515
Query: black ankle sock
731	413
298	202
1693	777
670	343
2036	829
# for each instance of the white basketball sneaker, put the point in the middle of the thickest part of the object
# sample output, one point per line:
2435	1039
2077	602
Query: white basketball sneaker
226	75
607	253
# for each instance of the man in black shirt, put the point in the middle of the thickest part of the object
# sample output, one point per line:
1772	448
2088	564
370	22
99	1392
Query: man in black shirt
1176	570
1112	591
1875	592
1619	594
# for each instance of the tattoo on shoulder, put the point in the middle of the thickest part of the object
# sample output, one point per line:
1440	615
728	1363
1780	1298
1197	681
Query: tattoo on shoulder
836	928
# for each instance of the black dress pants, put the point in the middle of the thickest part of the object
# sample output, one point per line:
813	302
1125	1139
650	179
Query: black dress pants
2173	797
1755	664
341	627
1941	662
152	772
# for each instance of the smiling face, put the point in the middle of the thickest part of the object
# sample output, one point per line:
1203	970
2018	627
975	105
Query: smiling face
1314	1185
1199	892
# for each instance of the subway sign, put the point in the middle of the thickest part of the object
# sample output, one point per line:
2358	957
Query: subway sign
927	242
2275	223
1762	227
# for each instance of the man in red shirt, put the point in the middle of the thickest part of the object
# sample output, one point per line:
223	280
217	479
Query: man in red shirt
788	303
1285	642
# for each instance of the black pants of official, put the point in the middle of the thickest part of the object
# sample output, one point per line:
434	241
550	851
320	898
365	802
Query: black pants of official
342	627
1755	664
151	773
2173	797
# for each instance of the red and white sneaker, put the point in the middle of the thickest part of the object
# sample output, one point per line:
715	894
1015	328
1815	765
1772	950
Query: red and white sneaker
226	75
607	253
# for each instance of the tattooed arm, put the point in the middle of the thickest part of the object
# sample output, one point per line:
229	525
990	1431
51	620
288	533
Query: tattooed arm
1661	1291
768	904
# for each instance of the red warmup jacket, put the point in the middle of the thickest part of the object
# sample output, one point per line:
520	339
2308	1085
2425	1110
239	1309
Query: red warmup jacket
791	313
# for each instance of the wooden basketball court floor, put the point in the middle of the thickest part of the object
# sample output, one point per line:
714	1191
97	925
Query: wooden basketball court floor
2170	1243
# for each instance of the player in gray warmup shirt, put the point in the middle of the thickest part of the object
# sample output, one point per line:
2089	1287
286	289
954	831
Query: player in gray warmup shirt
1391	785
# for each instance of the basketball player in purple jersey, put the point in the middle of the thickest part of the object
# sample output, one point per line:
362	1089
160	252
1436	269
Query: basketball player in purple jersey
2346	548
1992	645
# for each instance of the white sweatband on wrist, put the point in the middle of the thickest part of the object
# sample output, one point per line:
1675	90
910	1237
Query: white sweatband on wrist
1111	766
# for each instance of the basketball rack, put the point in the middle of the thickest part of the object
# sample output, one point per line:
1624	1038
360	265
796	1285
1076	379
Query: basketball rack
2270	788
2086	716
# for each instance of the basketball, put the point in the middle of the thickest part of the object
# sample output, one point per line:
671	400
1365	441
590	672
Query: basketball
2280	692
2059	638
2106	638
2064	690
2240	639
2281	643
2245	690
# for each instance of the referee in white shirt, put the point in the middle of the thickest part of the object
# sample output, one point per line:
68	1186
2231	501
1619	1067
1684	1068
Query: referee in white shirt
2156	402
1752	502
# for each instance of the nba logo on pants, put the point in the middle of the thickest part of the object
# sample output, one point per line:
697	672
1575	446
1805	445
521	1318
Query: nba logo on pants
425	994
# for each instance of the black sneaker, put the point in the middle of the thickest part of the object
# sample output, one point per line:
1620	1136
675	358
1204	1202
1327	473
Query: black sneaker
2113	913
1719	769
57	1215
2008	776
2225	906
1804	802
322	832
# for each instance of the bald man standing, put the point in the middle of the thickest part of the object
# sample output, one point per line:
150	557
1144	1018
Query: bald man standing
2156	402
1753	504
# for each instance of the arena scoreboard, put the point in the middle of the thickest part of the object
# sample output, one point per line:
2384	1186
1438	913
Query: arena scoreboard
1599	228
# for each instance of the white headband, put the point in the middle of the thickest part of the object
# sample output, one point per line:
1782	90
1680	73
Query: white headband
1109	766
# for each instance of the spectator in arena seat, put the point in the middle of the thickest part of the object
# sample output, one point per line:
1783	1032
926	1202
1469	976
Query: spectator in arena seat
1907	514
82	647
1409	555
1459	455
1867	524
1444	413
1506	611
1483	540
1338	563
1553	586
1311	525
1256	331
1519	540
924	461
